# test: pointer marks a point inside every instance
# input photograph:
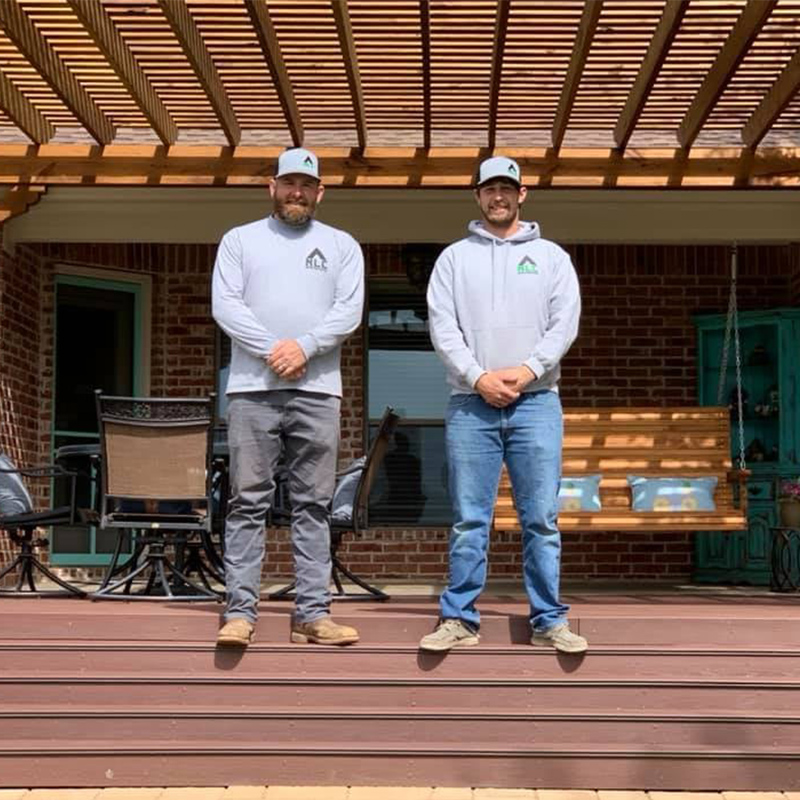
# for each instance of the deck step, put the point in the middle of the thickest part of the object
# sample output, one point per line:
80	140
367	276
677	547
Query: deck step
344	728
499	694
147	764
202	660
700	695
660	622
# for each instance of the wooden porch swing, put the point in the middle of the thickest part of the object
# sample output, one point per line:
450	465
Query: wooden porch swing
691	441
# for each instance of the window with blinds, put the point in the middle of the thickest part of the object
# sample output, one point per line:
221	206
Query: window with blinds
404	372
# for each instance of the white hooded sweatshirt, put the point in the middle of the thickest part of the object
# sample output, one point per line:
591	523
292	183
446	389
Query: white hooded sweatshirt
496	303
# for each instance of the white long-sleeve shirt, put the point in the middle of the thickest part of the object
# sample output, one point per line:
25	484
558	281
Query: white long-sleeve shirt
273	281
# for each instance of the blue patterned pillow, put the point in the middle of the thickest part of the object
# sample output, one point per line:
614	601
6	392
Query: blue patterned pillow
14	497
672	494
344	495
579	493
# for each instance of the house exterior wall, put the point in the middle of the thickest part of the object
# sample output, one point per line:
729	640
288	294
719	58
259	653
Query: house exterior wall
636	346
20	368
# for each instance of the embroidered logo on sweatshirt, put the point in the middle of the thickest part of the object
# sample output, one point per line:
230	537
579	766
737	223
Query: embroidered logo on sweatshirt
527	267
316	260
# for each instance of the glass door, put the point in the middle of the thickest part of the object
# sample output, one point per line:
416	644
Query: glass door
98	341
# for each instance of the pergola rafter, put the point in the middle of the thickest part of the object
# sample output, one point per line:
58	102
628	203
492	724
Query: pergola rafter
580	52
23	113
780	94
663	37
425	35
500	29
185	30
271	48
344	30
751	21
112	45
19	28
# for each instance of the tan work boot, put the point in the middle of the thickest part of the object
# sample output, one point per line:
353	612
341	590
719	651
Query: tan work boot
323	631
562	638
237	632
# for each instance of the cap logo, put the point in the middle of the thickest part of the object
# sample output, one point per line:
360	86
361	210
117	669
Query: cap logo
512	169
308	161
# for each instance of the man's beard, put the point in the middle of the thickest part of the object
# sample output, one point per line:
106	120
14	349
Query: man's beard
294	214
499	215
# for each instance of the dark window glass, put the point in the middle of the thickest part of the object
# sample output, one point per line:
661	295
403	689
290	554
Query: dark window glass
223	370
404	372
94	350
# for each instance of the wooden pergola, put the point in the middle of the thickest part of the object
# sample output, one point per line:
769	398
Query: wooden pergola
605	93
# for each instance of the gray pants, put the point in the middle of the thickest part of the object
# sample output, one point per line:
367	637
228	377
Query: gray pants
304	426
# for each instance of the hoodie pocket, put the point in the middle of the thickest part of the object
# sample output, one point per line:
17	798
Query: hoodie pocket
497	348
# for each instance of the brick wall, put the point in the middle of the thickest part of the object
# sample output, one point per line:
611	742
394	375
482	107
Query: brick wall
20	324
182	353
636	347
795	272
19	368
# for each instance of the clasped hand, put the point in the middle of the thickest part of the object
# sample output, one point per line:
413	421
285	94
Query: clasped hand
287	360
502	387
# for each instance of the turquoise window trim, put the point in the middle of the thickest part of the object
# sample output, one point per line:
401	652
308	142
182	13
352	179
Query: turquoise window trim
135	288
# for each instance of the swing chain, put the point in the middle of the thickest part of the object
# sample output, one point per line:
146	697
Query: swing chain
732	329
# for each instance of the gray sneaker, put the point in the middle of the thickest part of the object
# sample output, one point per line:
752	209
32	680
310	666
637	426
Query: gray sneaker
448	634
560	637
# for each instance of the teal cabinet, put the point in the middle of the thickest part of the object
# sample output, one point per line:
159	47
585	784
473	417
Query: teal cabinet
770	356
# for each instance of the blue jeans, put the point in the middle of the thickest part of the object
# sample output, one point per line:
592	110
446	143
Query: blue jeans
527	435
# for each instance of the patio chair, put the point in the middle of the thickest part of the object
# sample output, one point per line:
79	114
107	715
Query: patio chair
156	480
349	512
19	520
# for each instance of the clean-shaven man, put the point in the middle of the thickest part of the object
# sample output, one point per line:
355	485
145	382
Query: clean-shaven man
504	306
288	290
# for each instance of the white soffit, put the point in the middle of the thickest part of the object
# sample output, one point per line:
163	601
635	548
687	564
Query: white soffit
192	215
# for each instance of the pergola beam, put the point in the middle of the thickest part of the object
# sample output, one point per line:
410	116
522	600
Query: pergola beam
500	29
187	33
270	47
580	52
425	32
132	165
747	27
16	200
657	52
108	39
23	113
46	62
774	103
344	30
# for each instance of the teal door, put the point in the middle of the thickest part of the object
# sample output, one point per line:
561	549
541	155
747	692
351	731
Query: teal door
770	342
98	341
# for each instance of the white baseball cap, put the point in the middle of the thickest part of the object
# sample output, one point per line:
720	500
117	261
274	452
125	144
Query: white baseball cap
298	161
499	167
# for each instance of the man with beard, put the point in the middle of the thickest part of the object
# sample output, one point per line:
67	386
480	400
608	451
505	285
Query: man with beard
288	290
504	306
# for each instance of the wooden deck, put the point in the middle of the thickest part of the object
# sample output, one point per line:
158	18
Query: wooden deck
692	691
